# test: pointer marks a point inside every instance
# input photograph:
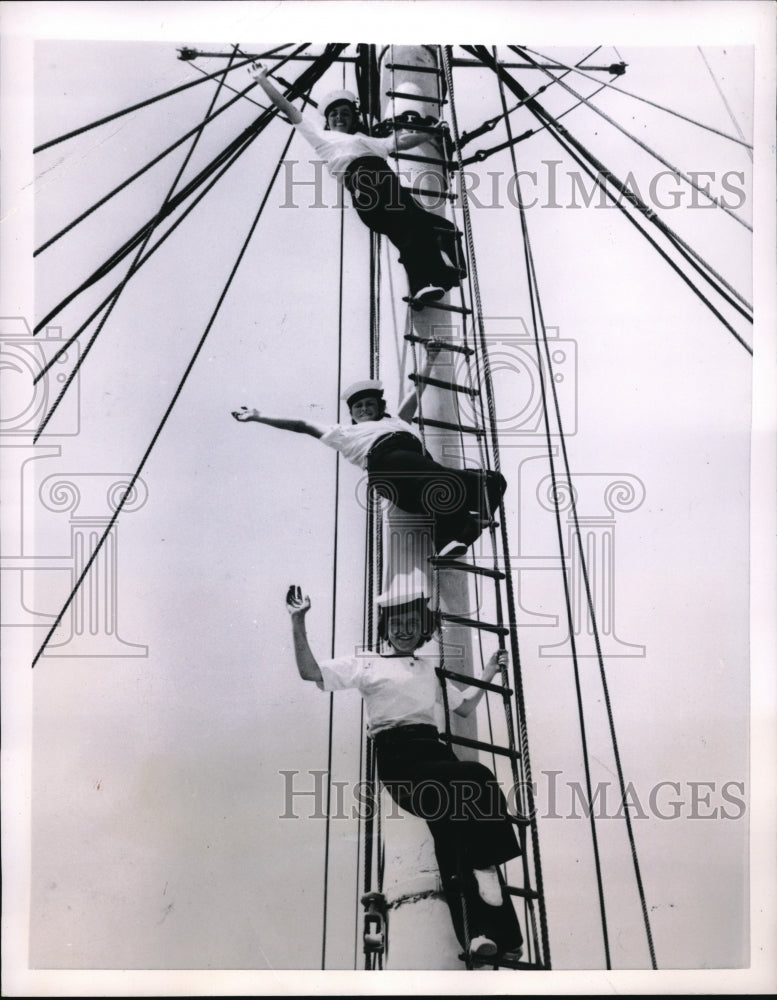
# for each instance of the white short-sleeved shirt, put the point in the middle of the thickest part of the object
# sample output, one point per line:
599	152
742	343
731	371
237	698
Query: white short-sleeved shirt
397	690
339	149
355	440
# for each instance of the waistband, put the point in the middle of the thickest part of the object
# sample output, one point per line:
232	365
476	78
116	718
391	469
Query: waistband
368	161
396	439
404	734
374	163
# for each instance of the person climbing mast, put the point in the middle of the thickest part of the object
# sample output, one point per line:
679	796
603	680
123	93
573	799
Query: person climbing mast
460	800
399	466
427	243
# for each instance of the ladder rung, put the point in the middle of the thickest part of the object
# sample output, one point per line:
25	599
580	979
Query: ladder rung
446	229
414	69
435	194
465	741
444	425
437	305
474	681
442	384
448	164
514	890
444	345
415	97
443	563
474	623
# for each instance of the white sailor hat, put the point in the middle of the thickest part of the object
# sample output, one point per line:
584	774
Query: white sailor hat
336	97
404	588
358	390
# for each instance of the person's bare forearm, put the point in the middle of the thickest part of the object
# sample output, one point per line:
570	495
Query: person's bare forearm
497	662
307	664
245	416
287	424
409	404
294	116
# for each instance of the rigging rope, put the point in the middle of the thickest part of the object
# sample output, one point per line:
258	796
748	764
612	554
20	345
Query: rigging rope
564	137
634	199
534	302
306	80
137	264
234	90
334	588
132	268
113	296
179	389
66	344
139	173
489	124
240	143
483	154
117	288
527	790
660	107
731	114
373	834
694	288
197	130
605	686
538	316
152	100
643	145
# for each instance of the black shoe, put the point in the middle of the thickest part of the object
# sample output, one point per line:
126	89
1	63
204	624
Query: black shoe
450	277
429	293
493	486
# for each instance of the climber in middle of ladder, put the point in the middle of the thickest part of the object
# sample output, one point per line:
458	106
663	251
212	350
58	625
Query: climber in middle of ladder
427	242
399	466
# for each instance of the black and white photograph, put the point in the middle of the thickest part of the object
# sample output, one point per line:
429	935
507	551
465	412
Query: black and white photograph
388	490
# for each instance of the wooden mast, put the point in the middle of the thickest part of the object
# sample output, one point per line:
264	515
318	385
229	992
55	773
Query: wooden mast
421	933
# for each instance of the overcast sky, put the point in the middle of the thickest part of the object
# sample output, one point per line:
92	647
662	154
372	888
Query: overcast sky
155	785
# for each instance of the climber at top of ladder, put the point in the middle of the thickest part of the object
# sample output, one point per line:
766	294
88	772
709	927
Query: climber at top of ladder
427	243
460	800
399	466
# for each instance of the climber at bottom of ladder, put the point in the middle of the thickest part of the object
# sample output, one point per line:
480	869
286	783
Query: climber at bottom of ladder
461	801
399	466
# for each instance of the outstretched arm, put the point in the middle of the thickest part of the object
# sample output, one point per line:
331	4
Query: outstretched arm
490	669
244	416
298	606
409	404
259	73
